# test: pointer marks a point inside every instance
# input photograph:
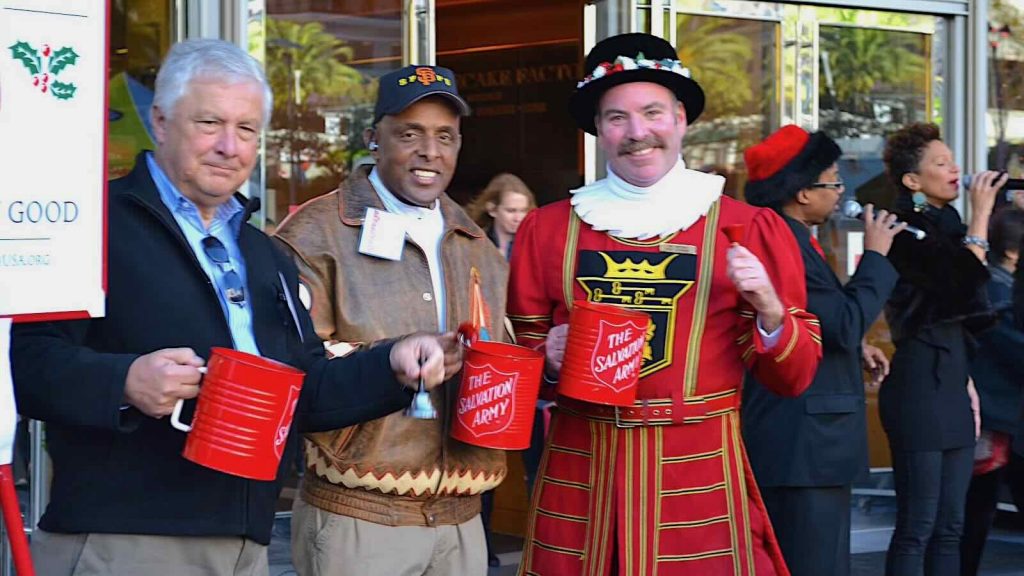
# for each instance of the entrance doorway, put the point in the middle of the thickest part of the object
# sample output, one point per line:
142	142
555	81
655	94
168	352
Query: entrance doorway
517	63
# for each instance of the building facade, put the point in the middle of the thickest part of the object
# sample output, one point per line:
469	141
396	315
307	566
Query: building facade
857	69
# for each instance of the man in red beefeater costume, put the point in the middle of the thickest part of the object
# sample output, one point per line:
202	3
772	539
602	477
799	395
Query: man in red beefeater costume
662	486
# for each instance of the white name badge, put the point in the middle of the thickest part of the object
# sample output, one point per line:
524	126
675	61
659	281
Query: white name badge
383	235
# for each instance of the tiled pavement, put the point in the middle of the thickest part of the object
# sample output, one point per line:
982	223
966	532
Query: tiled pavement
872	519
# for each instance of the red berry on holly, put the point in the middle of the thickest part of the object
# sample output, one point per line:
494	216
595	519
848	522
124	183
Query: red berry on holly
617	68
46	78
35	80
44	88
46	50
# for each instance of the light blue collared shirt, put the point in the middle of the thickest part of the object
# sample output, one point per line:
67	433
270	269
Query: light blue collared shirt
226	224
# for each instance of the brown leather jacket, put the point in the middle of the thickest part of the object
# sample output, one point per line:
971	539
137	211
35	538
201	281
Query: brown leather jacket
395	470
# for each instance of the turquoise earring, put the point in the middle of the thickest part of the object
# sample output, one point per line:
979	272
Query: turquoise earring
920	201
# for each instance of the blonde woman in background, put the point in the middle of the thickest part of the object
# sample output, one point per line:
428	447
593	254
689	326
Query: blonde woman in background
501	207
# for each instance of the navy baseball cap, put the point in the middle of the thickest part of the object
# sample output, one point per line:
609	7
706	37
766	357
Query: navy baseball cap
401	88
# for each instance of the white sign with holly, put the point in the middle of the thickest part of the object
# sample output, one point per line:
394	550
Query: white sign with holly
44	66
53	79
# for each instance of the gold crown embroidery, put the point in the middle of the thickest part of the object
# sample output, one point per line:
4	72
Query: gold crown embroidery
642	270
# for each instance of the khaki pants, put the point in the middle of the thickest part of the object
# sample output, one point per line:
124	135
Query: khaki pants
328	544
136	555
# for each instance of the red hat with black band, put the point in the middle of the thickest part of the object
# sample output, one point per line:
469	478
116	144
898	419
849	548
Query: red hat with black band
786	162
634	57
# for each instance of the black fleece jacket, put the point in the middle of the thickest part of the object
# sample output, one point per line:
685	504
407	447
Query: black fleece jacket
119	471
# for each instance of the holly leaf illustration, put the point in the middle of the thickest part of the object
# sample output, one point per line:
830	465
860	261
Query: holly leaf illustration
62	90
61	59
28	56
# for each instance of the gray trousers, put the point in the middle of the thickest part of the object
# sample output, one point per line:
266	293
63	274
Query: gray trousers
328	544
132	554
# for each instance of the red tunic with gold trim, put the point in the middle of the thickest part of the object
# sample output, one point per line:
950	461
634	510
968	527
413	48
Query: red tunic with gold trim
662	487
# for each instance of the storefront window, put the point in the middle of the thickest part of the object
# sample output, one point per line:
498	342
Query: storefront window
517	63
323	60
141	32
856	74
1005	118
735	61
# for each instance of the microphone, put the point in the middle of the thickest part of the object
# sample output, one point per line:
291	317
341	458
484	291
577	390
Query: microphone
852	209
1011	183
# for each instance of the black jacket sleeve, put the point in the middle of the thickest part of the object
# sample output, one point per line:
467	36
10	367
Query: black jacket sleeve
941	281
847	314
951	273
59	379
340	392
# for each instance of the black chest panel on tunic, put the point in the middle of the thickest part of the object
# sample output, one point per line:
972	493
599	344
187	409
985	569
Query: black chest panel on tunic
650	282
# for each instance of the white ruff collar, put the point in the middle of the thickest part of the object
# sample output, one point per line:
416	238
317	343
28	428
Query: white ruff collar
669	205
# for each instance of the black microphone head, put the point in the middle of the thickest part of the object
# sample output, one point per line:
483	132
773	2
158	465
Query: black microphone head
852	209
1010	184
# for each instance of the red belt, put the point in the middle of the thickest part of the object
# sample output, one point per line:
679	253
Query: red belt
654	411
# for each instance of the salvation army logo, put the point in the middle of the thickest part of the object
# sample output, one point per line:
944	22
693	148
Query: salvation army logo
44	66
618	355
485	404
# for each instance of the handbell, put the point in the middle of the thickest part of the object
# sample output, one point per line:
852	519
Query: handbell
421	407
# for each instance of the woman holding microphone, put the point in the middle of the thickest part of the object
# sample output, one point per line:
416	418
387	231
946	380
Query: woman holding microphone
928	405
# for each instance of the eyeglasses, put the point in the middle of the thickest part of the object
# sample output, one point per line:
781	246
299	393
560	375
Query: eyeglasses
218	254
828	185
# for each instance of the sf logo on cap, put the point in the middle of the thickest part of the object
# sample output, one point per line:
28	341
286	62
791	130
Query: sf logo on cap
424	75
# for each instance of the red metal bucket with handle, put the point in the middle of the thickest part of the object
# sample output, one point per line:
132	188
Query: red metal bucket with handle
245	409
603	353
497	395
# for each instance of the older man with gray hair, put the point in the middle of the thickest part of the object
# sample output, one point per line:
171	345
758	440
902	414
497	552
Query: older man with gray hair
186	273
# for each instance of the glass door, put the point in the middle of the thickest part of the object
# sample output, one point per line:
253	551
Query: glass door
736	59
856	74
323	63
876	73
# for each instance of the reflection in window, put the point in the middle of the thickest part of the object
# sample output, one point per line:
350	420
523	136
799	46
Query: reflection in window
323	62
734	62
516	64
871	82
140	35
1006	86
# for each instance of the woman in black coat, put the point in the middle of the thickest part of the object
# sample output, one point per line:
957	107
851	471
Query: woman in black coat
927	404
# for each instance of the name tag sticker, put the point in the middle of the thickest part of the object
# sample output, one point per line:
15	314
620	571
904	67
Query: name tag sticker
383	235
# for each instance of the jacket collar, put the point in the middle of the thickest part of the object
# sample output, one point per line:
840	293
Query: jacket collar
357	194
803	239
143	188
260	266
